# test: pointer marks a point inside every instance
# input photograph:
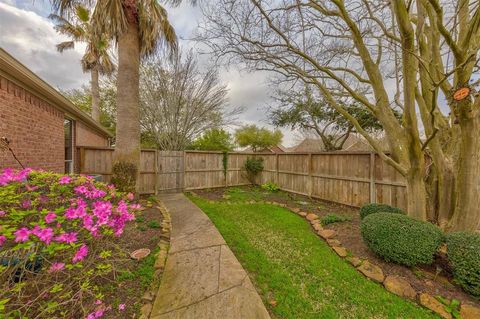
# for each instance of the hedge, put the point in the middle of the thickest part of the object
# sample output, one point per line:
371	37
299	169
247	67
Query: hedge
369	209
401	239
463	252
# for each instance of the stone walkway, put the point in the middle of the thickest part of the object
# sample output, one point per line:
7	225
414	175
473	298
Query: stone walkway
202	278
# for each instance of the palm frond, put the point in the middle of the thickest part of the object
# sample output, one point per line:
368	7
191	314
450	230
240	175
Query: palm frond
109	18
83	14
67	45
155	29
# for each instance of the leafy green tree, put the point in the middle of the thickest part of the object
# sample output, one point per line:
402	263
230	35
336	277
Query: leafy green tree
314	114
258	139
214	140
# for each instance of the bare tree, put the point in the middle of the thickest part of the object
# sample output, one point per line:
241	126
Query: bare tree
179	102
411	55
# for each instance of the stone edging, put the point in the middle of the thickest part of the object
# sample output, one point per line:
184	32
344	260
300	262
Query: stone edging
394	284
164	245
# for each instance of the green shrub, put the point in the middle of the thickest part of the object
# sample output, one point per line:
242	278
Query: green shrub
153	224
463	252
334	218
401	239
378	208
124	176
253	166
271	187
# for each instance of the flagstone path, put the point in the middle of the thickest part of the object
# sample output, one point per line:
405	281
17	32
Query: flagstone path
202	278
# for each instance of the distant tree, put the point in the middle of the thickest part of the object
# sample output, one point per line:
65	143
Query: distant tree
179	102
214	140
314	114
258	139
82	98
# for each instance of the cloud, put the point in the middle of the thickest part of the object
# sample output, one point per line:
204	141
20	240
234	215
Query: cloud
31	39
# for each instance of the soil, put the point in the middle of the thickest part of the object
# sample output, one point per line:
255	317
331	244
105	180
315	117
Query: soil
142	233
422	278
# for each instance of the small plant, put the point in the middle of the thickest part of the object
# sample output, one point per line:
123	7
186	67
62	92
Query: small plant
253	166
401	239
463	252
139	219
153	224
142	228
373	208
124	176
334	218
271	187
452	307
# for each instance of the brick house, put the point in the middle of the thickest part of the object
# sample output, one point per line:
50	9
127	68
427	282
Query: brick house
44	128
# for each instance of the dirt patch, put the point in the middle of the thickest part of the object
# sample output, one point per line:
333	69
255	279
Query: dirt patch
423	279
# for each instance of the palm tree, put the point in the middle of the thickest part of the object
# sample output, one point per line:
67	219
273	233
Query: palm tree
96	59
140	27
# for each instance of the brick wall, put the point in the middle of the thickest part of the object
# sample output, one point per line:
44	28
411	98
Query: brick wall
87	137
34	127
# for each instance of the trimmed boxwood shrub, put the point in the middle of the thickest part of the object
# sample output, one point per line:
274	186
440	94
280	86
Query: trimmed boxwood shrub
401	239
463	252
378	208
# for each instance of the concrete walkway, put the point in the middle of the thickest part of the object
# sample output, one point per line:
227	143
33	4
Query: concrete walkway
202	278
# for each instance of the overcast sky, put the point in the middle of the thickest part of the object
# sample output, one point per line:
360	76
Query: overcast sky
28	35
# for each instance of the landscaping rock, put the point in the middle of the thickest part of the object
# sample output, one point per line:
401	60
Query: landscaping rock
148	296
327	233
400	287
341	251
303	214
295	210
371	271
311	216
334	242
315	221
317	227
355	261
145	310
469	312
433	304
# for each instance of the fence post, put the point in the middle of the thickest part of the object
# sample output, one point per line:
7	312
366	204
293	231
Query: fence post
184	166
277	178
155	169
373	197
310	177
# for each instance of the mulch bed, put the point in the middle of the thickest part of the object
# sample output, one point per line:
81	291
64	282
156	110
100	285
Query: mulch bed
423	279
145	232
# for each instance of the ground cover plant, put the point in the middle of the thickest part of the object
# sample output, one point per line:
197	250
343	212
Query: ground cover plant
297	275
62	246
334	218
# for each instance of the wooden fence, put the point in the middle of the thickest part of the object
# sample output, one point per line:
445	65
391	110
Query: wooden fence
351	178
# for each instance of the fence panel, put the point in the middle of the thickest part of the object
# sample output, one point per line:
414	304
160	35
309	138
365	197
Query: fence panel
351	178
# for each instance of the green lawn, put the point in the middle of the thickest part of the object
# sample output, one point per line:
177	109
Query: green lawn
288	263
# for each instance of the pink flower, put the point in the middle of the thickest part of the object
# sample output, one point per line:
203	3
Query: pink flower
2	213
121	307
81	253
50	217
44	234
67	238
2	239
26	203
22	234
31	188
56	267
130	196
98	302
64	180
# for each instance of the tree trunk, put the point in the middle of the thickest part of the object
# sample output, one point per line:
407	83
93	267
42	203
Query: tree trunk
127	146
417	196
467	209
95	86
446	196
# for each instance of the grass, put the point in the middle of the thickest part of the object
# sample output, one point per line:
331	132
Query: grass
296	271
145	271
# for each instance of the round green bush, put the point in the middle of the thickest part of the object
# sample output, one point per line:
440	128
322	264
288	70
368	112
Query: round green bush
369	209
401	239
463	252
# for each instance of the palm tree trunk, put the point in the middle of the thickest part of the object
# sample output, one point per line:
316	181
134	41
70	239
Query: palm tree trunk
127	146
95	86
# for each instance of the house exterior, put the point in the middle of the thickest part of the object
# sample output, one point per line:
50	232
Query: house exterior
276	149
354	143
44	128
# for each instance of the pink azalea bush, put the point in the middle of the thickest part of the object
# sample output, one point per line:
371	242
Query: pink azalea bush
57	243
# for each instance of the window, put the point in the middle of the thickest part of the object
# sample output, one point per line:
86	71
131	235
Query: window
68	130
